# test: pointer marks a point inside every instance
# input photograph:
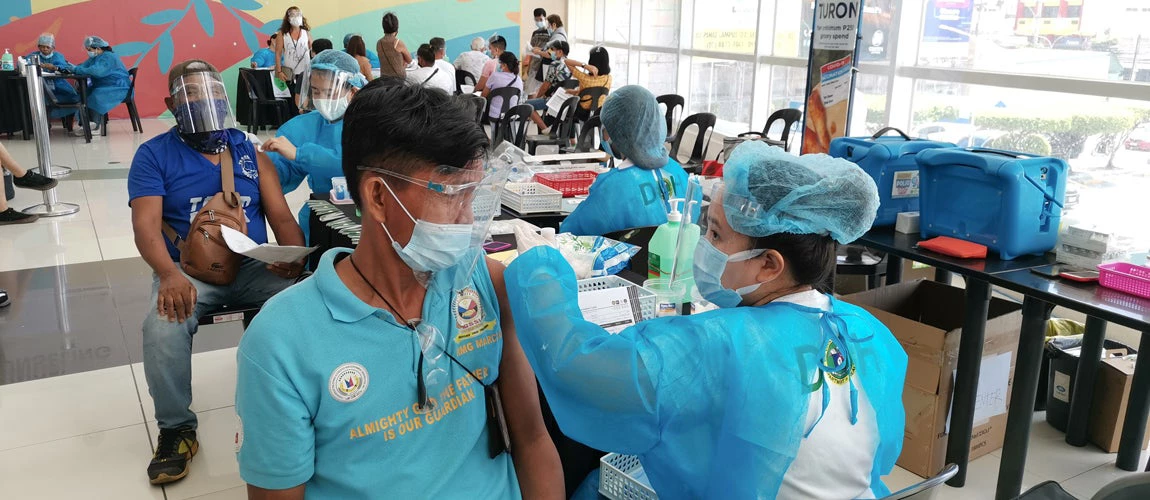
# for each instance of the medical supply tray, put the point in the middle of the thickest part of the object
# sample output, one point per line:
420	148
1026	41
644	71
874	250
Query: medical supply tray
617	478
890	161
531	197
571	183
646	297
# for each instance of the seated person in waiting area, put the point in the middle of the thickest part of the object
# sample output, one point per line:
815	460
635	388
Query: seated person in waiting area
369	379
429	74
308	146
596	72
557	73
172	177
783	392
637	192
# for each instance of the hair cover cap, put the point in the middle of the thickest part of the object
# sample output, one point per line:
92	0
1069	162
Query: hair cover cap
635	126
810	194
340	62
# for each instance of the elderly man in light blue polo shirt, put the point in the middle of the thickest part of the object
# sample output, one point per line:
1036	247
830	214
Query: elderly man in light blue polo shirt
394	371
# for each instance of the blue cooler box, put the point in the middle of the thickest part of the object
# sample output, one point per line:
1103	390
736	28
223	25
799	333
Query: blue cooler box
889	160
1009	202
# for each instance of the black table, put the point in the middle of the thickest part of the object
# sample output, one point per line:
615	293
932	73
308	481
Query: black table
1101	305
14	115
541	219
82	84
978	273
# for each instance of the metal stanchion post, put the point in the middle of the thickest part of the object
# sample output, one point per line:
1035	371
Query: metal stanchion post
51	206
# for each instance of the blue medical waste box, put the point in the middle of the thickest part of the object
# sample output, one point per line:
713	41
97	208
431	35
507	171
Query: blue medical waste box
889	160
1010	202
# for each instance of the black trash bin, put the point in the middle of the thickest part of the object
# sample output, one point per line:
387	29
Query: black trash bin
1060	387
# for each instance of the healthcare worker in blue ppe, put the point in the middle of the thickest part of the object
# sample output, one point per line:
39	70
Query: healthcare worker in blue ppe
372	57
783	392
109	80
636	192
51	60
308	146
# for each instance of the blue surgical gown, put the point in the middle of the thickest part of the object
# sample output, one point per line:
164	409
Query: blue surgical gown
627	198
319	157
63	90
265	58
713	404
109	82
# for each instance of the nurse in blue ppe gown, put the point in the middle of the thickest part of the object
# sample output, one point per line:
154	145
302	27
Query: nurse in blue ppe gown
109	78
52	60
783	392
636	192
309	145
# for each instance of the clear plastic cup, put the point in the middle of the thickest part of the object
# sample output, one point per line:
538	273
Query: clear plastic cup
668	296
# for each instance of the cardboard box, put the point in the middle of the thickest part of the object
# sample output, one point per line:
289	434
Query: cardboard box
1108	411
911	271
926	317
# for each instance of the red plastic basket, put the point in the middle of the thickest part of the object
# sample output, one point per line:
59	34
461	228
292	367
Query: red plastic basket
574	183
1125	277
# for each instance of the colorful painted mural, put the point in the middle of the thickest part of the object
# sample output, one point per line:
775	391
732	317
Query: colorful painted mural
154	34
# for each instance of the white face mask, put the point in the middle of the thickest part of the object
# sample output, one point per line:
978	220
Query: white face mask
541	24
331	109
296	21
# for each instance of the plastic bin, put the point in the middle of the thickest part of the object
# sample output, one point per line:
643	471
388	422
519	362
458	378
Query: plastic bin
621	477
646	297
531	197
889	160
574	183
1010	202
1063	363
1125	277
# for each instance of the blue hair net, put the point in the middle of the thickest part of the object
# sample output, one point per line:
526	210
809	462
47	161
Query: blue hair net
95	42
340	62
769	191
635	127
47	39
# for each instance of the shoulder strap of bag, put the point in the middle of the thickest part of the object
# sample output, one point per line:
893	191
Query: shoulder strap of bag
228	191
433	73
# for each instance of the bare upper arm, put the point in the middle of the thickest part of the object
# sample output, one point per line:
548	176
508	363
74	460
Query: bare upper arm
516	379
147	213
257	493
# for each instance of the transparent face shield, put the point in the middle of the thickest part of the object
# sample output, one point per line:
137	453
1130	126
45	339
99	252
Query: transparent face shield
323	86
200	103
455	209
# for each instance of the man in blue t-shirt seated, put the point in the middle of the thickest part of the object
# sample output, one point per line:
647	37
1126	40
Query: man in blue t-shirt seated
171	179
372	378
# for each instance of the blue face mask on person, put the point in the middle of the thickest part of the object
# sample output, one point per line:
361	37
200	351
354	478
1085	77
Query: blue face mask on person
433	247
605	144
201	124
709	264
212	142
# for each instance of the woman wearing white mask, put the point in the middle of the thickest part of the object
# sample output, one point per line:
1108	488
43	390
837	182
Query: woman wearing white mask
293	48
308	146
784	392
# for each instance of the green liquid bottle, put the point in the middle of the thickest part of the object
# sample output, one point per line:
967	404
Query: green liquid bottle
661	250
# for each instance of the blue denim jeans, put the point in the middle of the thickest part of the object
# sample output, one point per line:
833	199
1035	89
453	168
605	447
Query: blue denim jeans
168	344
538	104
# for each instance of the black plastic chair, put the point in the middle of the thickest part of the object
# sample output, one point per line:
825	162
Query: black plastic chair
506	94
130	101
561	132
705	122
513	127
671	101
790	117
588	133
260	101
480	105
461	78
596	94
925	489
570	84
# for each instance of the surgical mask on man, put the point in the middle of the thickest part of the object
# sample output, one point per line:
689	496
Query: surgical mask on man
296	21
709	264
331	109
541	24
433	247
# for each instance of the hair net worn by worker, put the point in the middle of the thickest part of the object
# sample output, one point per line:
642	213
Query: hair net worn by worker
714	404
95	42
810	194
635	127
339	61
47	39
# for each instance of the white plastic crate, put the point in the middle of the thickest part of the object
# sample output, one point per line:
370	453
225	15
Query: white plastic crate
531	197
646	297
617	481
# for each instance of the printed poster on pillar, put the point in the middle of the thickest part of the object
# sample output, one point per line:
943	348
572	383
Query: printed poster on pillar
830	74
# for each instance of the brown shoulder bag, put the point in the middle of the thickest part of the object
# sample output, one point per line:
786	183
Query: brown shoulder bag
203	254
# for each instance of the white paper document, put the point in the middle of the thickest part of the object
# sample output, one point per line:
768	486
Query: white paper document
993	382
266	252
614	309
556	101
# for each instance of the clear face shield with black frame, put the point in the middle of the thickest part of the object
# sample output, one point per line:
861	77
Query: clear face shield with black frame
200	103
